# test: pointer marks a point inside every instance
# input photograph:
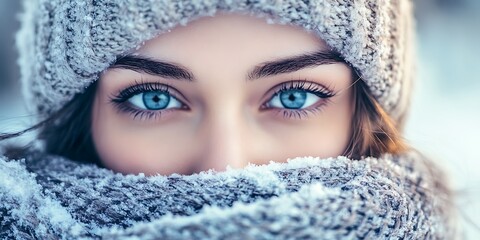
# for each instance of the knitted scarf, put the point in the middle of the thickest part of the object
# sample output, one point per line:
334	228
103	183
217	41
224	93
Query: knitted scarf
392	197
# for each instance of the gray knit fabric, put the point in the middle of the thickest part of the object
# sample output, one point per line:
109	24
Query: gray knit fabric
393	197
64	45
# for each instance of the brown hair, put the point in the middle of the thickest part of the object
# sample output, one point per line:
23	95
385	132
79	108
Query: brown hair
373	131
68	132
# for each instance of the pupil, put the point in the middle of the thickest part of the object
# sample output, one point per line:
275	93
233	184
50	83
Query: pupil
293	99
156	100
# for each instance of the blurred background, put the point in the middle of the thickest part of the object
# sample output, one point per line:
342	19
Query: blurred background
445	116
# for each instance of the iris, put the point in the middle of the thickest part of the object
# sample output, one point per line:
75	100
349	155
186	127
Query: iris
293	99
155	100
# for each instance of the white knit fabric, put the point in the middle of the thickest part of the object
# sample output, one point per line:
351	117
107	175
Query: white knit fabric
392	197
64	45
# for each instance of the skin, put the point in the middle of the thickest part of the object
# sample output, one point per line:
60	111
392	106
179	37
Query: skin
224	124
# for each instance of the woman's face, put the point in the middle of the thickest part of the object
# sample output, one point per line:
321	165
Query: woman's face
225	90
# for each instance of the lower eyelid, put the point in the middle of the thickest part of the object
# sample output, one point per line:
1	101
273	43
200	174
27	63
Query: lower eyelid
142	114
300	113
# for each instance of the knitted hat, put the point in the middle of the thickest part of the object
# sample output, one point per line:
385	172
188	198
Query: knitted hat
64	45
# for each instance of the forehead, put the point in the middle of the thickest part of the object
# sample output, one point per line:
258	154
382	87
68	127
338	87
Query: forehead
230	38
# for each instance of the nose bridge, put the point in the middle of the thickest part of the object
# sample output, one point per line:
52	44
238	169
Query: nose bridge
223	139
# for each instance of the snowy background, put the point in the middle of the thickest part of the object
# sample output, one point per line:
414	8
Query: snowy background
445	117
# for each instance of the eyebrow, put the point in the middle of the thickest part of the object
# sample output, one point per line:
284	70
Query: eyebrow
175	71
153	67
295	63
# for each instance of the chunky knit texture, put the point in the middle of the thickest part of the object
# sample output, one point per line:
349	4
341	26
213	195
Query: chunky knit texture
394	197
64	45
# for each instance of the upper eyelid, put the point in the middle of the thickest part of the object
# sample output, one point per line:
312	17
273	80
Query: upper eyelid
270	93
151	87
279	87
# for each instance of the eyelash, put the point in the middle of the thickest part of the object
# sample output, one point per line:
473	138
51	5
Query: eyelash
120	100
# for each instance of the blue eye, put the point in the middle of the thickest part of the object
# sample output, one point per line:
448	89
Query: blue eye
154	100
293	99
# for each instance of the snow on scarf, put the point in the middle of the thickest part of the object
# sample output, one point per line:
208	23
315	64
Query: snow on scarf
395	197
